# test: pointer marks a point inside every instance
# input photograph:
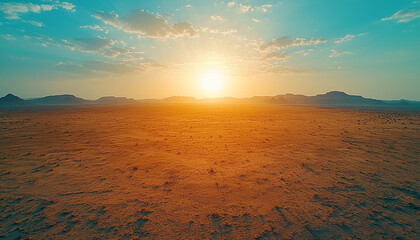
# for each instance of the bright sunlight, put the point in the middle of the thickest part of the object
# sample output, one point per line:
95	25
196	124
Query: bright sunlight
212	81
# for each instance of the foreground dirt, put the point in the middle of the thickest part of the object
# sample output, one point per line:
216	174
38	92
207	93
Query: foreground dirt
209	172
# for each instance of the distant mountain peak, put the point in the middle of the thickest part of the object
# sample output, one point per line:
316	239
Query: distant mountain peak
115	100
63	95
11	96
113	97
11	100
64	99
337	93
332	98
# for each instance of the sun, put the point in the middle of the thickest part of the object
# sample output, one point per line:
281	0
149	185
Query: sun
211	81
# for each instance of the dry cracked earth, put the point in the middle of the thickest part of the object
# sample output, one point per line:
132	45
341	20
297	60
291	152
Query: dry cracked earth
209	171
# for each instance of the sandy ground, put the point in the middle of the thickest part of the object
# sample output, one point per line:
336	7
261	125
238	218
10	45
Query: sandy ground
203	171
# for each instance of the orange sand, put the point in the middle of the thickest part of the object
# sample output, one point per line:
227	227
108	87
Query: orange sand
203	171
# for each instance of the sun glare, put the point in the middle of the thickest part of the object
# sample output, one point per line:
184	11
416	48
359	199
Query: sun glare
212	82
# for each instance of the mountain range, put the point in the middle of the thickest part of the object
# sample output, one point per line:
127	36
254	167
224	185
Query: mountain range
12	101
334	98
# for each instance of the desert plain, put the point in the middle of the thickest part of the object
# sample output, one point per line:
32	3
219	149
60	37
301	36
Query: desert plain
209	171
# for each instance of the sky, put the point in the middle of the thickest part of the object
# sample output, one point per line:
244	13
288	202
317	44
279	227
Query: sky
162	48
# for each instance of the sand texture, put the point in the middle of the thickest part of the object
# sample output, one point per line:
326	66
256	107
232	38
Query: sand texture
208	171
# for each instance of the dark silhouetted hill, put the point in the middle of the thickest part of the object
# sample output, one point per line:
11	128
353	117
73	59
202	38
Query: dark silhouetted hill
111	100
12	101
59	100
341	98
334	98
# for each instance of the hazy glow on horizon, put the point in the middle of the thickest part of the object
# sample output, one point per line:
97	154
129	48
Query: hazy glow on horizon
156	49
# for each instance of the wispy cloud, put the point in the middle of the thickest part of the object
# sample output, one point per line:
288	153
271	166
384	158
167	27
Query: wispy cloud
8	36
100	67
276	55
35	23
145	23
105	68
335	53
404	16
93	44
117	51
264	8
245	8
101	45
93	27
285	42
97	45
248	8
67	6
216	18
14	10
348	37
304	52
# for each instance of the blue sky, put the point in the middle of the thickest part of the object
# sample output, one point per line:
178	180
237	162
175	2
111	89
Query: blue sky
155	49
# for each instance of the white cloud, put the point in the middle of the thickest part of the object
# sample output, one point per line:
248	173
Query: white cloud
305	52
188	5
13	10
34	8
116	51
244	8
8	37
285	42
248	8
144	23
46	7
216	18
44	40
264	8
348	37
98	45
255	20
93	27
64	43
108	18
67	6
35	23
335	53
183	28
403	16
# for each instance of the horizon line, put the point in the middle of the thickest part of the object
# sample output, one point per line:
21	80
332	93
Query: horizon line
204	98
